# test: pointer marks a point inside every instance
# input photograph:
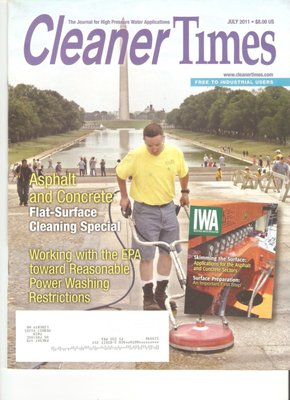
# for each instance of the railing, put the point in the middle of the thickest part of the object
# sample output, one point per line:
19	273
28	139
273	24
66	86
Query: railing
267	181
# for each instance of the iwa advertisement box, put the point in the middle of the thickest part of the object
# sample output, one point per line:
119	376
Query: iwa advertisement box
231	258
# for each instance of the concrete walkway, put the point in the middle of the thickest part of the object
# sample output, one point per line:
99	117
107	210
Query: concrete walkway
259	344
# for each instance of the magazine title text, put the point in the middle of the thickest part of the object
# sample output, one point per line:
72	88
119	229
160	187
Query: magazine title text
98	46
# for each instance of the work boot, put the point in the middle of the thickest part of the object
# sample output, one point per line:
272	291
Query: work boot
160	295
149	303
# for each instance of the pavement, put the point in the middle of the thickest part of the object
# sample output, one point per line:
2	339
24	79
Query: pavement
260	344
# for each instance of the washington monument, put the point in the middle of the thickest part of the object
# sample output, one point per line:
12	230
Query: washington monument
123	86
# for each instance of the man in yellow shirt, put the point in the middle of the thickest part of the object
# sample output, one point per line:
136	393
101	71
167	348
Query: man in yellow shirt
153	167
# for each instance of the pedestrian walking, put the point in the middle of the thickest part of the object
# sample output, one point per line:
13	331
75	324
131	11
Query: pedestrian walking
93	163
23	174
58	168
81	165
103	167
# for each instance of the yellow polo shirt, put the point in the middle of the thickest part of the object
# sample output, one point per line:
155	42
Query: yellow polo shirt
153	176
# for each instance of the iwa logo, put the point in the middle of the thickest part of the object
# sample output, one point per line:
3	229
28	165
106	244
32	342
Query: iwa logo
205	221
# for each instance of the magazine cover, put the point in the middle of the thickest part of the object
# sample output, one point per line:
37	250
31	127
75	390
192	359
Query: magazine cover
124	117
231	258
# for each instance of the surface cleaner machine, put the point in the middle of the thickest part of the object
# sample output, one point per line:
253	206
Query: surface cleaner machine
198	336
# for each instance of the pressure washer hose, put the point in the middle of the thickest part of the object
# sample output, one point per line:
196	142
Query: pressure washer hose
39	365
131	263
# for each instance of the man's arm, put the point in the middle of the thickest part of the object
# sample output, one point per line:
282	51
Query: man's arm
184	199
17	171
125	201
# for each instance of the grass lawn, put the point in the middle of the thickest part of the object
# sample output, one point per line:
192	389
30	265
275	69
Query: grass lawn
29	148
238	145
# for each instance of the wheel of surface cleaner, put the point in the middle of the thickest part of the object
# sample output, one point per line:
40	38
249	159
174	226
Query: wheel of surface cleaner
201	337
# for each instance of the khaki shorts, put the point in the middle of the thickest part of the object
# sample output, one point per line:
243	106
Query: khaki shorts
155	223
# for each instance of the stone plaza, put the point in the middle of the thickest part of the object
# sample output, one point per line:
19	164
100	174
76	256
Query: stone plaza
259	344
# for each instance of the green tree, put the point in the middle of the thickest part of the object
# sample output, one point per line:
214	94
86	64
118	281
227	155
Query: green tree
173	118
23	122
34	113
239	117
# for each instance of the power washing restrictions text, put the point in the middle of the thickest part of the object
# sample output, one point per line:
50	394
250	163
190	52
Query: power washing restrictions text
76	275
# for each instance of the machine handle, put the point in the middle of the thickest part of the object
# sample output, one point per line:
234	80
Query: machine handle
126	212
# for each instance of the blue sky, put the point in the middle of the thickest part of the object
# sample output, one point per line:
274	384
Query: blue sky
165	85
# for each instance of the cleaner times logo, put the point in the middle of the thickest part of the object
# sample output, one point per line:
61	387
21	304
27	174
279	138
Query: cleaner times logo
205	221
